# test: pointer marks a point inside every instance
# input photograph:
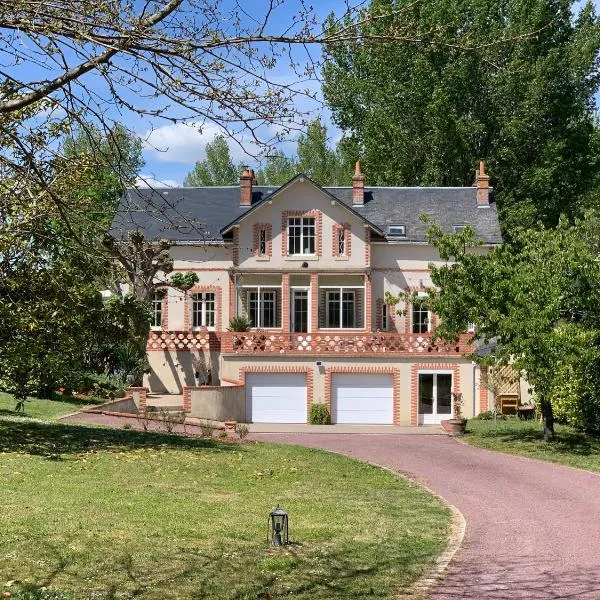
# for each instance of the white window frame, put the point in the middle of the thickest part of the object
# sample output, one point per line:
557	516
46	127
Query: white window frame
157	310
260	292
202	299
341	291
293	290
401	230
304	237
471	327
435	372
413	310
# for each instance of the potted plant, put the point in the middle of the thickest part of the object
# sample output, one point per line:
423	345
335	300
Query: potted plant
457	424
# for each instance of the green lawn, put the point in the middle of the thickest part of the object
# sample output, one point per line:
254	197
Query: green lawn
45	410
526	438
120	514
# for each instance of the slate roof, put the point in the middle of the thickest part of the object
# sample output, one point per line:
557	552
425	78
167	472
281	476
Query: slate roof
200	214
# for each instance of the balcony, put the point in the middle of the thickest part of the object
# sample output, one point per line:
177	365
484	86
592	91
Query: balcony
331	343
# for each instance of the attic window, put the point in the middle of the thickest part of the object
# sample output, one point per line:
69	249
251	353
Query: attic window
458	228
397	230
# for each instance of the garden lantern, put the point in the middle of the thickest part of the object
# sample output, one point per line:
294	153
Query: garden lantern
278	531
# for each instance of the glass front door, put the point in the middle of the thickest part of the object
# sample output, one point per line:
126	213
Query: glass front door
299	311
435	397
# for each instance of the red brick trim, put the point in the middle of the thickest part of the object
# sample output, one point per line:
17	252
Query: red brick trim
368	304
367	246
257	228
285	302
232	292
235	251
164	321
483	391
187	306
371	371
284	369
187	399
317	214
143	396
414	383
335	229
314	302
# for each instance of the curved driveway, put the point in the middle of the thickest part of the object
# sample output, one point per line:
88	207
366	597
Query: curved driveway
533	528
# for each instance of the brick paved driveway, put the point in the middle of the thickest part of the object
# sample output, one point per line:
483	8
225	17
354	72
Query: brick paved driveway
533	528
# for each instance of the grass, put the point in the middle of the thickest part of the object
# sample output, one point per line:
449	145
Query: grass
514	436
101	513
44	410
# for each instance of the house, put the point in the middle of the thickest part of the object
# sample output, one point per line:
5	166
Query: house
309	266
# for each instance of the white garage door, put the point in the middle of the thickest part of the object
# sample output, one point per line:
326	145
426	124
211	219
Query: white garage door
362	399
276	398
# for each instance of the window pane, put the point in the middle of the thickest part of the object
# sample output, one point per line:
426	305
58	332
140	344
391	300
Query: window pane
210	309
420	318
262	242
348	309
333	309
196	310
156	311
425	394
308	236
268	309
384	316
253	308
341	242
444	394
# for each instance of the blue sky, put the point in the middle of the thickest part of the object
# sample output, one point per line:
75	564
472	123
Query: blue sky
172	149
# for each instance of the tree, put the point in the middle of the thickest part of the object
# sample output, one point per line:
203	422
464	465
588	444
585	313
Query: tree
279	169
315	158
423	114
537	300
216	169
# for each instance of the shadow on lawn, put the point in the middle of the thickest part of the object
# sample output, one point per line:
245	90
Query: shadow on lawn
54	439
207	574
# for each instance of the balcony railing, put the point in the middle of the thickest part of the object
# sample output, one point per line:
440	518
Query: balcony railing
269	342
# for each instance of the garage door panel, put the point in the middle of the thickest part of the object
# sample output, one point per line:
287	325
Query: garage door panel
276	398
365	398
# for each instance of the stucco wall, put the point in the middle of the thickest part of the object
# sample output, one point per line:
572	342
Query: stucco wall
227	403
231	366
302	196
171	370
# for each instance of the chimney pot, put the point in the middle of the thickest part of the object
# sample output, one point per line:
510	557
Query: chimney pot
246	180
358	186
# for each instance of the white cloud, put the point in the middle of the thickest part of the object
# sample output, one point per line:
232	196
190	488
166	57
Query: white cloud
185	143
145	181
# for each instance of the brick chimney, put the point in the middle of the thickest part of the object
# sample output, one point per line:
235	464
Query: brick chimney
358	186
482	183
246	180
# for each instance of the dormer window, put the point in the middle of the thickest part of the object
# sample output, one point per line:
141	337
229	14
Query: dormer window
397	230
458	228
301	236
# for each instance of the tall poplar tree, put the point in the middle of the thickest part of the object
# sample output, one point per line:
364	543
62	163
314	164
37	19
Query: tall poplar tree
482	88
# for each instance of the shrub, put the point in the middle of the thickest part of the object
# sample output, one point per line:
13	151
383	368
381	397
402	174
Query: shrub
240	324
206	428
575	396
319	414
105	386
486	415
242	430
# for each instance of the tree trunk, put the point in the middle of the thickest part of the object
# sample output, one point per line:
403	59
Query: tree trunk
548	417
